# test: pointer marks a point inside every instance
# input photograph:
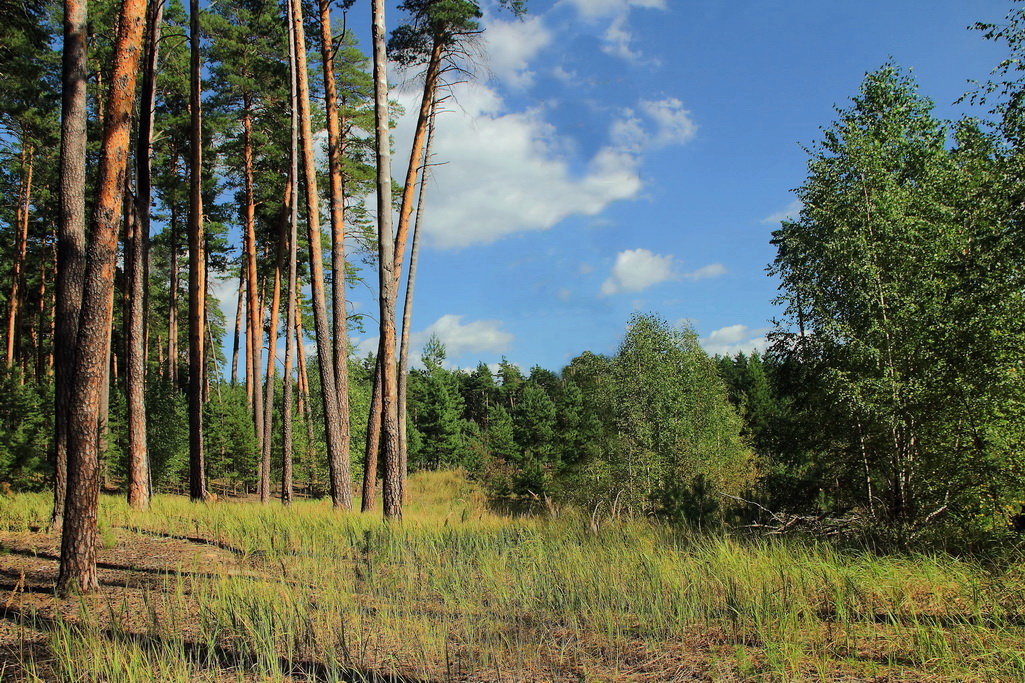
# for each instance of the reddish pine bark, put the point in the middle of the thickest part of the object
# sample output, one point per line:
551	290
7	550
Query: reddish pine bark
335	144
78	538
272	348
238	327
135	272
254	331
197	266
20	249
407	308
341	476
291	313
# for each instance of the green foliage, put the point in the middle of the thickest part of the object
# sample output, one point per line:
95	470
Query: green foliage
26	424
229	438
649	429
432	22
436	410
167	432
903	293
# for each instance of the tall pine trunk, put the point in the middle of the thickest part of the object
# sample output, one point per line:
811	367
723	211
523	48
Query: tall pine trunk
238	326
407	308
341	475
291	307
335	145
20	250
254	330
371	453
305	409
172	305
375	422
272	348
197	265
78	538
386	255
71	242
135	267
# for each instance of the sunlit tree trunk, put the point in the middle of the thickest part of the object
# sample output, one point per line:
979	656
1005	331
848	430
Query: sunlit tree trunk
78	538
135	271
335	143
197	266
238	326
386	253
71	242
172	306
291	311
305	407
20	250
272	349
254	330
371	453
39	338
407	308
377	414
341	476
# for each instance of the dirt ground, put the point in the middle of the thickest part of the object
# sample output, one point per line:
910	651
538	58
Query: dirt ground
130	564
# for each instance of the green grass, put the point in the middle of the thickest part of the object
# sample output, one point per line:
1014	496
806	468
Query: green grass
457	591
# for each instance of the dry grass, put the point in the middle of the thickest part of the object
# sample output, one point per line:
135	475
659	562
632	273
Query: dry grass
233	591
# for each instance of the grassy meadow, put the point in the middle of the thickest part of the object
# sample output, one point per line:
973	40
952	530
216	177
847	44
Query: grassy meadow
460	592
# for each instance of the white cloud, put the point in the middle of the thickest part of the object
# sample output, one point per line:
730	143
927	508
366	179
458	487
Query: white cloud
227	292
618	37
734	339
511	45
654	124
789	213
506	172
565	75
705	272
637	269
459	338
597	9
673	123
617	40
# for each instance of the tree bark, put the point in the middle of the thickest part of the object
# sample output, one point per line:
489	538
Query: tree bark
293	265
407	308
238	326
272	344
386	255
341	475
304	398
335	146
374	423
78	539
20	250
172	306
135	267
197	266
416	154
254	333
371	453
71	242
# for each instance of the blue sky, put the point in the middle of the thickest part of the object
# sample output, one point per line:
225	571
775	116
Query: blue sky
621	155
